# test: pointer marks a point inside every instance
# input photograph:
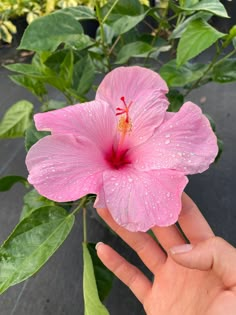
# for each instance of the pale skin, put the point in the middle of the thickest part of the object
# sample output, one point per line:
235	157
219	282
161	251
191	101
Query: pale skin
196	279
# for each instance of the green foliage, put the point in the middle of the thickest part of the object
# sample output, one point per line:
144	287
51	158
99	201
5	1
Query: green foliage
197	37
8	181
37	37
103	276
92	303
32	243
32	135
16	120
32	201
68	60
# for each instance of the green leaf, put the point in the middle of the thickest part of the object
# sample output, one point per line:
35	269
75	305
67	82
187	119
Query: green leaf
179	30
35	86
180	76
26	69
32	135
16	120
8	181
136	49
176	100
198	36
83	75
92	303
225	71
80	12
32	201
51	105
66	68
32	243
82	41
104	277
213	6
123	23
48	32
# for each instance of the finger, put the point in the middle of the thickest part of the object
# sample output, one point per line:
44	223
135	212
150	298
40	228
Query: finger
212	254
127	273
168	236
143	244
192	222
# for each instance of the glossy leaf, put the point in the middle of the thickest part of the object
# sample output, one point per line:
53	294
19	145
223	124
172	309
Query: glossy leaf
16	120
213	6
47	32
32	135
123	23
80	12
32	201
34	85
32	243
83	75
198	36
104	277
92	303
136	49
180	76
225	71
179	29
8	181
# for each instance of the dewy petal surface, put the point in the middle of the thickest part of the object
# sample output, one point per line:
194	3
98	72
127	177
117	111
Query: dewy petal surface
65	167
145	89
140	200
94	120
184	142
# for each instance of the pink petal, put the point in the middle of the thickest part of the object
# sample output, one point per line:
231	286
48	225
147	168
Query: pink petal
93	120
65	168
141	200
185	142
145	89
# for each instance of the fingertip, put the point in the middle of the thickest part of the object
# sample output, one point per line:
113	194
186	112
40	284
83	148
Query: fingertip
99	244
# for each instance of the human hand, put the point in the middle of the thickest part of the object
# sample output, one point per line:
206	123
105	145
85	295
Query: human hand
196	279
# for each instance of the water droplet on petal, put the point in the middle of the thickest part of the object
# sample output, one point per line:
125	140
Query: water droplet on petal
130	179
167	135
168	194
167	141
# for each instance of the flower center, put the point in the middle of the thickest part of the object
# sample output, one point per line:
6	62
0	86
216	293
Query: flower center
119	155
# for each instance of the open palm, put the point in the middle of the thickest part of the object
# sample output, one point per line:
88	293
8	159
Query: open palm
187	281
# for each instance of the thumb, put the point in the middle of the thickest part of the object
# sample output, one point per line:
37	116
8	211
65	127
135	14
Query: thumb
213	254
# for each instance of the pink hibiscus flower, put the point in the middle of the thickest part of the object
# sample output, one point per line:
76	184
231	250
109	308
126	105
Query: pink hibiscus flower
125	148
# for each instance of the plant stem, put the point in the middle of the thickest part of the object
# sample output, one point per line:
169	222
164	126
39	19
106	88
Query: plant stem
102	34
108	13
212	64
82	203
85	225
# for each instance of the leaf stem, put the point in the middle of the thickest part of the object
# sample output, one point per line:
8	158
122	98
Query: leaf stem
82	203
85	225
108	13
214	62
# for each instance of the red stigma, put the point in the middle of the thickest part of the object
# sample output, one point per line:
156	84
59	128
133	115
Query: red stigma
124	110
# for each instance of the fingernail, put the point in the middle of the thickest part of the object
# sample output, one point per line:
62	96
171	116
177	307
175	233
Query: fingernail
98	244
181	249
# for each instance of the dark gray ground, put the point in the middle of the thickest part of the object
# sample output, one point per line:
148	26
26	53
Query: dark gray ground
57	288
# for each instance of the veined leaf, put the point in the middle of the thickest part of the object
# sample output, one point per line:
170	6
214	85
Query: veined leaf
16	120
92	303
180	76
225	71
136	49
32	201
198	36
32	243
47	32
80	12
213	6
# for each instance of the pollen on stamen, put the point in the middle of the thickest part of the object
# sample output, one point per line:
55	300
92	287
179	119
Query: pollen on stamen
124	124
